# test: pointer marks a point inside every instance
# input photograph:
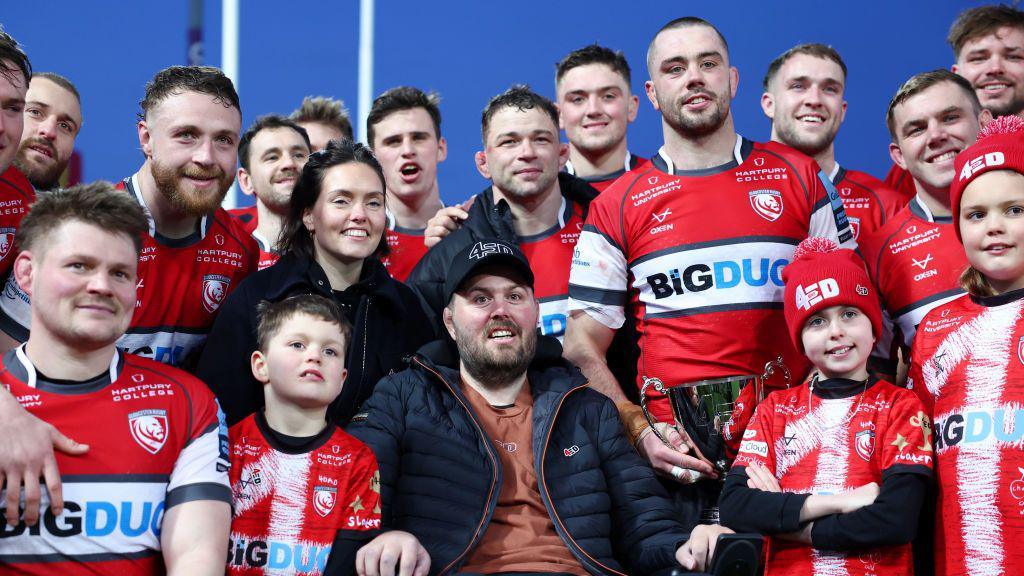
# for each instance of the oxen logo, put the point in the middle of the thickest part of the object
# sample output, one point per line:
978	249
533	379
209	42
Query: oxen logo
767	204
215	289
6	241
324	498
149	429
864	444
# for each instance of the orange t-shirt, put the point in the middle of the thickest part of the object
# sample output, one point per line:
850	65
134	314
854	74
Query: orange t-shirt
521	536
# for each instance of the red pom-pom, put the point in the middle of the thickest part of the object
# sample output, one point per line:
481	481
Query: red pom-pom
814	245
1002	125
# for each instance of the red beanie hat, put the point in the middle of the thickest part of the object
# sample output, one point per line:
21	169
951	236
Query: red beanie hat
821	276
1000	146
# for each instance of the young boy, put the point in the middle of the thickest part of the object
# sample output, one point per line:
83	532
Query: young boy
812	459
299	483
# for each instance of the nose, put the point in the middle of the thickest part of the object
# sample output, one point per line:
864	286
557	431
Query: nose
994	65
47	128
202	154
407	148
527	150
358	212
314	354
592	108
99	283
813	96
936	134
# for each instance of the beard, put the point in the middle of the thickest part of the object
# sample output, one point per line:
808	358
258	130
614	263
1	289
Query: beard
1014	106
699	124
41	177
185	198
809	145
495	369
277	202
524	190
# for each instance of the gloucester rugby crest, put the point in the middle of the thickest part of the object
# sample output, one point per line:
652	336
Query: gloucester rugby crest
215	289
6	241
149	429
324	498
864	443
767	204
1020	349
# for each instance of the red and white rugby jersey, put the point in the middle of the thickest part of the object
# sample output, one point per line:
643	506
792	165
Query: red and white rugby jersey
916	262
182	283
406	249
248	217
828	448
157	439
700	255
902	182
867	201
968	367
267	255
601	183
550	254
289	506
16	195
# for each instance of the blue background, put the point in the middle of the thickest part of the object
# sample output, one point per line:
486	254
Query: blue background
468	51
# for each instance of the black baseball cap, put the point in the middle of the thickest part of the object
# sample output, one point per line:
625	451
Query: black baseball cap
485	252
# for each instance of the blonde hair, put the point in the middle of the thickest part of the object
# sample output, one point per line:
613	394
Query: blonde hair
974	282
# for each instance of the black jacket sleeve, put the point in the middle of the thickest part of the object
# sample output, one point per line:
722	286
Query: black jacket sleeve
225	365
891	519
381	426
746	509
342	560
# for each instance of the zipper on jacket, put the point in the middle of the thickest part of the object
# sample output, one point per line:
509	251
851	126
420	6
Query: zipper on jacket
545	494
485	519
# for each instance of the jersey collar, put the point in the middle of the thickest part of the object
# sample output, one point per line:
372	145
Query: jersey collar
740	151
132	185
837	174
920	209
24	370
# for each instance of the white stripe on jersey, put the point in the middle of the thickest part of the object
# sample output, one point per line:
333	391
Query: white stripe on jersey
692	279
287	476
984	340
598	265
202	461
98	518
830	477
166	347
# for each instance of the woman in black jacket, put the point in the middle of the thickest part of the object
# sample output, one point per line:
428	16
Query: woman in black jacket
331	240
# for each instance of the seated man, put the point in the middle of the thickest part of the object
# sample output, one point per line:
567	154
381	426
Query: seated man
498	458
151	495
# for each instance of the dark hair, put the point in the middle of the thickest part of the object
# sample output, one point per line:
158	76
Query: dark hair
272	315
323	110
267	122
60	81
817	50
684	22
178	79
97	204
594	54
921	82
981	21
521	98
403	98
13	59
294	236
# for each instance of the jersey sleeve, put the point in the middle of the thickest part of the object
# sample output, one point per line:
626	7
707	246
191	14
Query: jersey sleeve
907	441
15	310
201	471
757	444
363	499
598	278
828	218
915	377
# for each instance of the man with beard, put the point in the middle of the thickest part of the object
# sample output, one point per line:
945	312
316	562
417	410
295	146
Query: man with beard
53	118
695	244
16	194
532	474
530	203
271	155
404	130
596	104
988	49
803	97
194	254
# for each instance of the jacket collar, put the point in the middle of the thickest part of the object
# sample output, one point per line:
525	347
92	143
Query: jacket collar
295	271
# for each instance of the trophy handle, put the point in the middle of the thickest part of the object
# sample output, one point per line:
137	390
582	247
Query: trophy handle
769	371
660	387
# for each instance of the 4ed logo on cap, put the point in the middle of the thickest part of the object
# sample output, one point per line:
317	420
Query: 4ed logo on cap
814	293
990	159
481	249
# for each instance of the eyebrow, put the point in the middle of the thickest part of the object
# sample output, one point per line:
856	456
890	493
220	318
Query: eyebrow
916	121
598	89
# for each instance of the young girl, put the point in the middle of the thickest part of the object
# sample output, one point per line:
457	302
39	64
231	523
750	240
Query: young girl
812	459
968	365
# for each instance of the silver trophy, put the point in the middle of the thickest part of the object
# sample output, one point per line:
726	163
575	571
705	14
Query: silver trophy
704	409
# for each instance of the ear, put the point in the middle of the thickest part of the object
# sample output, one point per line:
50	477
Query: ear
896	155
259	367
634	107
245	182
561	124
985	117
652	94
449	321
145	138
563	154
481	164
24	269
842	113
954	69
442	149
307	220
734	80
344	375
768	105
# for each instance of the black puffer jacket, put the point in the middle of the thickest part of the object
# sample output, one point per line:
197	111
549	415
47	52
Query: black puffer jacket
387	325
441	476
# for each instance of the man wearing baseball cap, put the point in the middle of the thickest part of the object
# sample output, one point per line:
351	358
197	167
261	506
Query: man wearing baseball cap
496	455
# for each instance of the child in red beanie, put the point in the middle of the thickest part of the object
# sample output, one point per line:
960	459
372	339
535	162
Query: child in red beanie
834	470
968	365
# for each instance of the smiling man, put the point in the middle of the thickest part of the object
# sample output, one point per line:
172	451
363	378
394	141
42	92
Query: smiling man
194	254
53	119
